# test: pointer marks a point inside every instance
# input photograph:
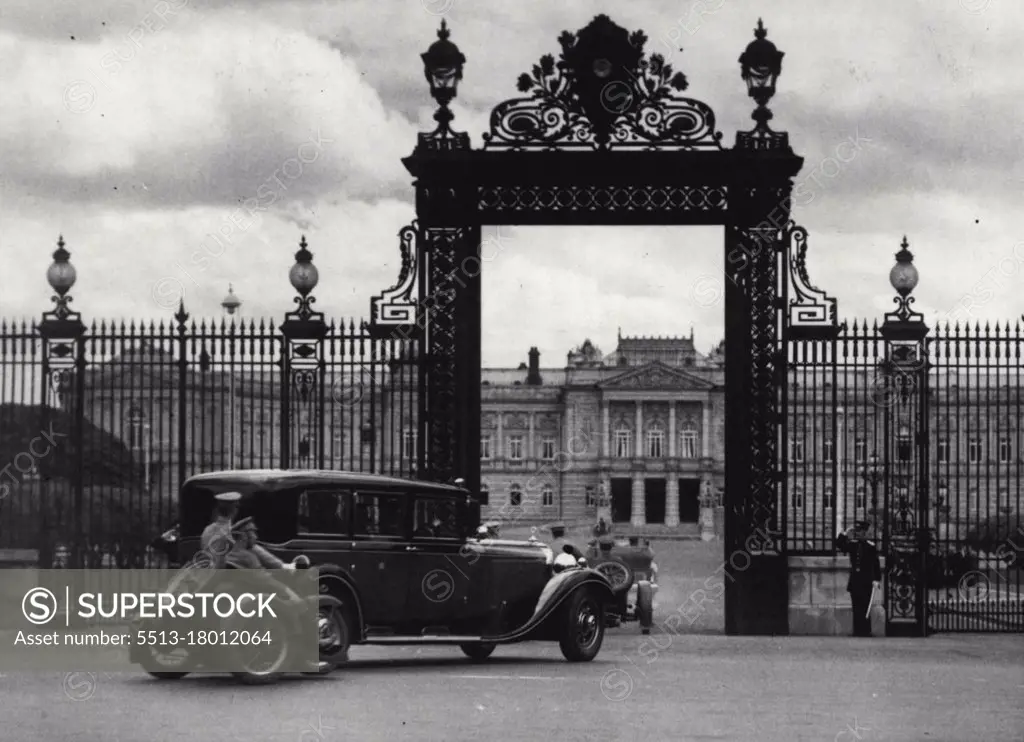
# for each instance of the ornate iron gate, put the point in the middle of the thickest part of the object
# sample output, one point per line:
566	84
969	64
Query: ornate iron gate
917	431
601	136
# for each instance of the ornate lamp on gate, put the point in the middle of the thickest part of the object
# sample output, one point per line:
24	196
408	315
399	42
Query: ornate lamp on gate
442	66
303	323
760	67
904	277
231	303
61	322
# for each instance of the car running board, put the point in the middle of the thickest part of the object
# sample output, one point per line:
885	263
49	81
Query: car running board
433	639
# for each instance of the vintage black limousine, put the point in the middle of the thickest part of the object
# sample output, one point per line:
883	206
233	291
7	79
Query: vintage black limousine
407	561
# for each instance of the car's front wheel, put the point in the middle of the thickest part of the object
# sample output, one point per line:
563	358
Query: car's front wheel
478	652
582	630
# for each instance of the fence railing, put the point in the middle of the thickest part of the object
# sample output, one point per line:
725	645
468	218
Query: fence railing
164	401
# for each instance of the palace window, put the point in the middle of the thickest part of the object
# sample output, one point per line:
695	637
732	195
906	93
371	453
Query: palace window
623	442
409	443
796	496
688	442
859	498
547	448
655	443
485	493
1005	451
796	450
860	450
974	451
515	496
829	450
828	498
547	496
515	448
591	498
337	445
485	447
942	450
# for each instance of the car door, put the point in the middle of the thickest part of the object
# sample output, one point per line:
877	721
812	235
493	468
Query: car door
378	560
444	575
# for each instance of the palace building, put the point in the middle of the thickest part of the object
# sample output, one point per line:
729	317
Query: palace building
635	435
638	431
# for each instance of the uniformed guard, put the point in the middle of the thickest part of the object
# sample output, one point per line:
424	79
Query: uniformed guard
865	573
217	541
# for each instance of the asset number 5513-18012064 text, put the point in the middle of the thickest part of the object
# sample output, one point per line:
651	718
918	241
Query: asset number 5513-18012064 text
202	638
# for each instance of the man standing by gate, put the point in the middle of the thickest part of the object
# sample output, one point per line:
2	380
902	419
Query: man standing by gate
865	573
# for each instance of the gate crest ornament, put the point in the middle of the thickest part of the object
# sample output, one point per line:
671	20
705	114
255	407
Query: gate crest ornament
603	93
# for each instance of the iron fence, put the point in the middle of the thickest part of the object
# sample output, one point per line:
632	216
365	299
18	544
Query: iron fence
133	409
851	452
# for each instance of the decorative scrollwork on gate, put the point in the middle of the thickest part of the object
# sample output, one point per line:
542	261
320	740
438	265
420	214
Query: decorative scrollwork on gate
441	304
394	310
304	381
603	93
549	199
811	312
763	393
902	575
60	384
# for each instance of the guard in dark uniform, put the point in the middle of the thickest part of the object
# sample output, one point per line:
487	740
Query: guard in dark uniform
865	573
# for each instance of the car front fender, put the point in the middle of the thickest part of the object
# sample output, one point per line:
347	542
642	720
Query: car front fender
334	579
554	594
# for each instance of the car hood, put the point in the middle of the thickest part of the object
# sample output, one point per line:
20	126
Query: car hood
507	547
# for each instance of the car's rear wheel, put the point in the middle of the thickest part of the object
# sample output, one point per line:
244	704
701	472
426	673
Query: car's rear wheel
582	629
478	652
333	634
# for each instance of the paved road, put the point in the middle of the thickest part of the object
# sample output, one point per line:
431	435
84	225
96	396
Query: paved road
693	687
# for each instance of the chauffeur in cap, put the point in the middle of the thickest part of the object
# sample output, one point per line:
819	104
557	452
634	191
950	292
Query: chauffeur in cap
865	573
217	540
560	542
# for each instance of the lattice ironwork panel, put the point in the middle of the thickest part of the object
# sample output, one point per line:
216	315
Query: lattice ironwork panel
603	199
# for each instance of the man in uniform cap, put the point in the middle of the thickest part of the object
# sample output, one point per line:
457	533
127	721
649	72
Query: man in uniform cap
217	540
560	542
865	573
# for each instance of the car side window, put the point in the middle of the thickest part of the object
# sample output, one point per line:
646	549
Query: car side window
379	515
436	517
325	512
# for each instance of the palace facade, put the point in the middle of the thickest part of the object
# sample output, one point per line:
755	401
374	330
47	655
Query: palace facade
635	435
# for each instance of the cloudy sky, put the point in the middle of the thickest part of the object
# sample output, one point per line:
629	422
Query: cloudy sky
136	128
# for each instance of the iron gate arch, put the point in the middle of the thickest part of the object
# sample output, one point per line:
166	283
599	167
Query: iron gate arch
572	153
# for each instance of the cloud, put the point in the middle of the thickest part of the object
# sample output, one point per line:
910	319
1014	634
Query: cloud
204	111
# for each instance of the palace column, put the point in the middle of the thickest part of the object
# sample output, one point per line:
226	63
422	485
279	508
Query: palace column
639	452
672	443
671	475
639	505
606	447
530	452
499	444
706	429
672	498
